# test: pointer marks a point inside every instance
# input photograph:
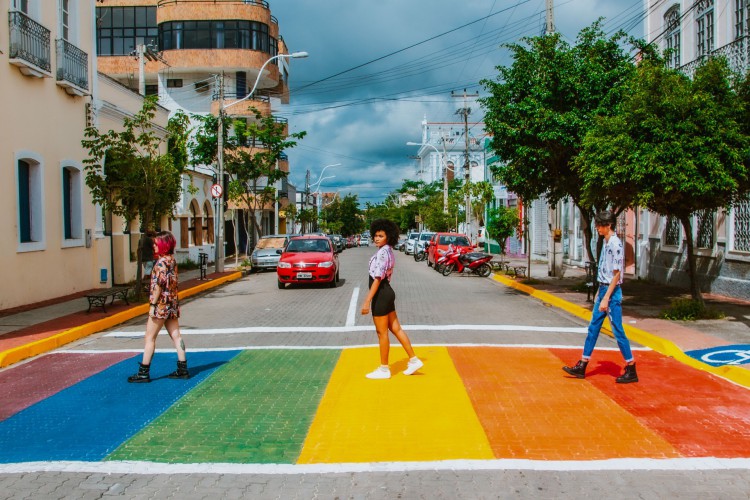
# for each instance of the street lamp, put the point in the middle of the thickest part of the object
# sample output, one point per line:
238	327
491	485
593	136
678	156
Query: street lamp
445	167
219	264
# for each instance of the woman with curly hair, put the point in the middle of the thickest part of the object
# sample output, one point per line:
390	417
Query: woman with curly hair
164	309
382	300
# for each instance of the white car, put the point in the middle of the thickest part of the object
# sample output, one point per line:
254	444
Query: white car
411	241
364	241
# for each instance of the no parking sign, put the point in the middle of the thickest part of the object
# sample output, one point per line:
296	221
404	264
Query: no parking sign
216	190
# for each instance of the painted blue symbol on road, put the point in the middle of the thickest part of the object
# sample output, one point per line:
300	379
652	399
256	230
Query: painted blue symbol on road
738	354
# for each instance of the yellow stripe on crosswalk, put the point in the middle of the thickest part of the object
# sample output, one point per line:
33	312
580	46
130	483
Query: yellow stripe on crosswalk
426	416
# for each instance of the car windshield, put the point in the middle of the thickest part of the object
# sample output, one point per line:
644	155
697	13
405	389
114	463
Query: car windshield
320	245
425	236
271	243
413	236
454	240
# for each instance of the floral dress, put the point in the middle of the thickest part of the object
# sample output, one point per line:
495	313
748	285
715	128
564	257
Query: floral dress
164	276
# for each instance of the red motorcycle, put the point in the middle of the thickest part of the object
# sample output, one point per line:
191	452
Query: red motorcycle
465	260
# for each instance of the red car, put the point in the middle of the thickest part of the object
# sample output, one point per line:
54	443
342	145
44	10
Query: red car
440	241
308	259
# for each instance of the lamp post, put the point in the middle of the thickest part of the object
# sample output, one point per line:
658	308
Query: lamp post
445	168
219	264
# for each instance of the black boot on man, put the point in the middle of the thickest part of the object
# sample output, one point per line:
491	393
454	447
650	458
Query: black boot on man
181	372
629	376
578	371
142	376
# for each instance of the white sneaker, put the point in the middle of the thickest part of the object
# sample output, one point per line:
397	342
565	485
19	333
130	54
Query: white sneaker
381	372
413	365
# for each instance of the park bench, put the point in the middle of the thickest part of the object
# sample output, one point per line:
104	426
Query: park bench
519	271
99	297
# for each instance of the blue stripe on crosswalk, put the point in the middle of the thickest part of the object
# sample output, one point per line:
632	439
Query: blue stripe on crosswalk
90	419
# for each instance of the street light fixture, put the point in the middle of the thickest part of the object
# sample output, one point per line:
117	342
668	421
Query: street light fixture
445	167
219	264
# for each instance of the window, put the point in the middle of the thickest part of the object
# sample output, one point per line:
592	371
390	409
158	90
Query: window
740	17
174	83
741	226
121	29
672	231
22	5
672	22
30	208
705	26
71	204
227	34
704	223
65	20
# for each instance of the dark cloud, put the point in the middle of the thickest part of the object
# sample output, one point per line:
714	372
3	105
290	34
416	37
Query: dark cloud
409	56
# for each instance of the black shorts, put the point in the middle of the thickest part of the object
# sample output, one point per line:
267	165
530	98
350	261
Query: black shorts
384	301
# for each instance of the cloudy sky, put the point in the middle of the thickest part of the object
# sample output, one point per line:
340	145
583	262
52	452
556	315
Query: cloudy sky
376	69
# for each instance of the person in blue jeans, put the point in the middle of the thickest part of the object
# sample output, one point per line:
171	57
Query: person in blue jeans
608	301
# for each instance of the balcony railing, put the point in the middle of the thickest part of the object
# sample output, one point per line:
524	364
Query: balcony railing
72	65
29	44
735	52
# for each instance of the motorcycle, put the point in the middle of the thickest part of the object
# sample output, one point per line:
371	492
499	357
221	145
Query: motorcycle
464	260
420	252
445	256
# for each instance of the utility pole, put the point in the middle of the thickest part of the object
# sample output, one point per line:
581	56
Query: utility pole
219	264
550	18
465	112
307	198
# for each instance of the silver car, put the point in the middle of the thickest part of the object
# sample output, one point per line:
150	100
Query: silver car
265	255
411	241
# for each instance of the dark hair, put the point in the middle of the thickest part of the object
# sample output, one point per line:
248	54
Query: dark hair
605	218
165	243
388	227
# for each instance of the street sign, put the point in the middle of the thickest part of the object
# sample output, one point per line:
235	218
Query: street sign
216	190
737	354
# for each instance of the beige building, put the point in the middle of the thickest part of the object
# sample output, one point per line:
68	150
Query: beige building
55	243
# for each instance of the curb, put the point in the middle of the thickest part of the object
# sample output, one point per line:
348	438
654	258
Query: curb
734	374
37	347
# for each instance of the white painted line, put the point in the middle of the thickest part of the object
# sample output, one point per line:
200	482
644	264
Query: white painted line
352	313
362	328
337	347
148	468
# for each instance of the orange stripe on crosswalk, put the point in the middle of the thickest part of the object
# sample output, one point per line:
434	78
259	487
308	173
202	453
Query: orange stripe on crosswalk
530	409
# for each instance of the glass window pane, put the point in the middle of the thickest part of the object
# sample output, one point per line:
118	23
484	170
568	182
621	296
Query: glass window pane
151	16
128	17
140	17
117	17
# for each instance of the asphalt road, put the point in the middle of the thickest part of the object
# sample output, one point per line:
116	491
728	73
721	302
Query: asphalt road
278	406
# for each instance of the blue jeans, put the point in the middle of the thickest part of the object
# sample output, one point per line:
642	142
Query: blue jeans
615	319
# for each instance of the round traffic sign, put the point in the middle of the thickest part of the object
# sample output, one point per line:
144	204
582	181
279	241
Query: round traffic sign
216	190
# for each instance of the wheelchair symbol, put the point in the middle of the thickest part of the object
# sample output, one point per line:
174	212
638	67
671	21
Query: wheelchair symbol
727	357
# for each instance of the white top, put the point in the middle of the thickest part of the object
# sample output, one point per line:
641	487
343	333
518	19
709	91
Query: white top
611	260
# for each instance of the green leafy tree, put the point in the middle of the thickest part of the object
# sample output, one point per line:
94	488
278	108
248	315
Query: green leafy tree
678	146
541	107
502	224
128	174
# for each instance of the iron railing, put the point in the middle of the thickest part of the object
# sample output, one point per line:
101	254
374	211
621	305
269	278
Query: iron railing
72	64
29	41
735	52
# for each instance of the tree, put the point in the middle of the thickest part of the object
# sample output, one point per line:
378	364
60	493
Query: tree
251	157
541	108
129	176
678	146
480	193
501	225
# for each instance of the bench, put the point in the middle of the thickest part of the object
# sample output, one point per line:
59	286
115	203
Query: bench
519	271
99	297
592	272
499	265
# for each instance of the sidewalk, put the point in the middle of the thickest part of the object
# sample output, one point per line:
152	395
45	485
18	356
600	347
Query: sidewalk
689	341
36	330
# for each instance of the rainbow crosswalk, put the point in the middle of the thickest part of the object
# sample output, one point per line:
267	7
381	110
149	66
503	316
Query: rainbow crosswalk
314	406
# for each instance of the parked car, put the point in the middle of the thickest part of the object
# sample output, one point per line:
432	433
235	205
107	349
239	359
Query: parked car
340	243
351	241
308	259
364	240
264	255
401	244
440	241
411	240
424	237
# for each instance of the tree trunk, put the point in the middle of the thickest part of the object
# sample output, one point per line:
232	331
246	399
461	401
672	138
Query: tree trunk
588	234
695	290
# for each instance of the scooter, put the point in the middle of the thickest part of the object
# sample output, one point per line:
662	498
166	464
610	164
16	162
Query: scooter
465	260
420	252
445	256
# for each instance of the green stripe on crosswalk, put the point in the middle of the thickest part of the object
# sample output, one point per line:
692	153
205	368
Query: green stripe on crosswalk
256	409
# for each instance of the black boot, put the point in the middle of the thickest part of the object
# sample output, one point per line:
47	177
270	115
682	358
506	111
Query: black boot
629	376
578	371
142	375
181	372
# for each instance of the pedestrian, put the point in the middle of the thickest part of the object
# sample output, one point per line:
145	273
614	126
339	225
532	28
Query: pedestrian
164	309
608	301
381	299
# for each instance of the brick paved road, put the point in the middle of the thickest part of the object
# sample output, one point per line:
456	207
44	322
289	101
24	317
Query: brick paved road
527	430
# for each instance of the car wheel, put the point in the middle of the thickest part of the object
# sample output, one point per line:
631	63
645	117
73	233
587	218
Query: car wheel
281	285
332	284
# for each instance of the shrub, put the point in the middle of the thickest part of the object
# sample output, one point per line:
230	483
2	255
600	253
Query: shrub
689	310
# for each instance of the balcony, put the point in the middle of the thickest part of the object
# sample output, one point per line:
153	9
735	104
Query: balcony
735	52
72	68
30	48
259	102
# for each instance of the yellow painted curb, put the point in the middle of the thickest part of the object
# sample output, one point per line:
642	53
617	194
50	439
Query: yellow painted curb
41	346
663	346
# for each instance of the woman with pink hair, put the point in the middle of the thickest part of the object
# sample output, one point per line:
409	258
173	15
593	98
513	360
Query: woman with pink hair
164	309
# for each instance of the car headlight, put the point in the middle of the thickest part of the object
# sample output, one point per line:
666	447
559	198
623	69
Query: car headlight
284	265
326	264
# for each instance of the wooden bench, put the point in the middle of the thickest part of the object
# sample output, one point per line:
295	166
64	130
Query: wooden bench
99	297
